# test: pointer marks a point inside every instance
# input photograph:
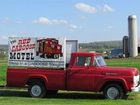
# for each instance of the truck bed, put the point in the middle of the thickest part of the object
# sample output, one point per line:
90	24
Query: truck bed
18	77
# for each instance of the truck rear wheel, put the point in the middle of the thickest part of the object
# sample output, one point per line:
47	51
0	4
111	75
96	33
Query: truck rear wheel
37	90
113	91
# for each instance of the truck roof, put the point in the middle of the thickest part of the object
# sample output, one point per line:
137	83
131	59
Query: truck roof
85	54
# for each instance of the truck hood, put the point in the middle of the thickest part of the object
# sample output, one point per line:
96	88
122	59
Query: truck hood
127	71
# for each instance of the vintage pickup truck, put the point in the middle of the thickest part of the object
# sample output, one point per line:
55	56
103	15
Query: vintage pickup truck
86	72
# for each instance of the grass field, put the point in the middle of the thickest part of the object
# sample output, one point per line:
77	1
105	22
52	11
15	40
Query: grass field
3	68
21	97
128	62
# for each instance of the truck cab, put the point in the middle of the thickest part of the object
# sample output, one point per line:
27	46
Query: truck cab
89	72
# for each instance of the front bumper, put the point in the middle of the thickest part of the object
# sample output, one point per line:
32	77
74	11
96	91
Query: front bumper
136	89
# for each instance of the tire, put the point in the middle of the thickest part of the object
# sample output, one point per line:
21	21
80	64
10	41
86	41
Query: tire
56	56
37	90
113	91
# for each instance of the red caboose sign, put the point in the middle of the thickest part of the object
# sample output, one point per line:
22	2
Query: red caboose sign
49	48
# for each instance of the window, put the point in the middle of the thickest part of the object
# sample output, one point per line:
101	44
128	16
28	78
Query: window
99	61
83	61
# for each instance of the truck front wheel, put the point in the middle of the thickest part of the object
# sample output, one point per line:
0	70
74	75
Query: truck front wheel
113	91
37	90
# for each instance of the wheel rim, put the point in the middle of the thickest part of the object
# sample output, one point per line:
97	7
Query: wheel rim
112	92
36	90
56	56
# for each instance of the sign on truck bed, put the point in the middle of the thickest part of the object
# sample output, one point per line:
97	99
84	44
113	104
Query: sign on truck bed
37	52
40	52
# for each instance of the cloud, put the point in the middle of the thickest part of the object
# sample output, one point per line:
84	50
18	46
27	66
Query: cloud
73	26
92	10
55	21
47	21
107	8
42	20
85	8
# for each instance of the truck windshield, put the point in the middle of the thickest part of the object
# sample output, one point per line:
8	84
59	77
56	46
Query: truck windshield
99	61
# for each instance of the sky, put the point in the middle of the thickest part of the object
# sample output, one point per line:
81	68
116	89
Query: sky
83	20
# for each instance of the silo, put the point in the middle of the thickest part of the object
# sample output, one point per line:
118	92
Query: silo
125	46
133	42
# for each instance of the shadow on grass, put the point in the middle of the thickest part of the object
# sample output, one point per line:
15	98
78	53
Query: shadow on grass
62	95
8	93
75	95
59	95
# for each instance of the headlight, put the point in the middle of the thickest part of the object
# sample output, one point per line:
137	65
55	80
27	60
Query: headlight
136	80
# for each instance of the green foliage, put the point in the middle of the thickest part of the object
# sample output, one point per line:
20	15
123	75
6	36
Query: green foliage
101	45
2	55
4	47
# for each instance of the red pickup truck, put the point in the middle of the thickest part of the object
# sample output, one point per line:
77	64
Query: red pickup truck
86	72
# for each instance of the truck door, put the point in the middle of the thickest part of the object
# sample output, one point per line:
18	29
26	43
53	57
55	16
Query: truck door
80	76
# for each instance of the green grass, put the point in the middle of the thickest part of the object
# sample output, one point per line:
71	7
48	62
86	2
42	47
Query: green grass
3	68
21	97
128	62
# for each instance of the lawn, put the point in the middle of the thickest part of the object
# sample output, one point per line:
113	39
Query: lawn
128	62
21	97
3	67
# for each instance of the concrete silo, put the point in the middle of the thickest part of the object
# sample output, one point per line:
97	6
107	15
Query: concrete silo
126	46
133	40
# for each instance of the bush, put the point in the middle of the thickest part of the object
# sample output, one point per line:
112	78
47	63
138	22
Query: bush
2	55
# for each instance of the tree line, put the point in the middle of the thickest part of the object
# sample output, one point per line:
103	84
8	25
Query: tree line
101	45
